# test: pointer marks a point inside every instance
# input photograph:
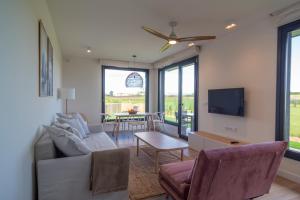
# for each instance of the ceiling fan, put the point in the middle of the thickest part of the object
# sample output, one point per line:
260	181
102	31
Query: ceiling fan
173	39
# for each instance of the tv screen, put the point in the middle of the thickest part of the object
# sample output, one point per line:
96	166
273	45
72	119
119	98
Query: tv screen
226	101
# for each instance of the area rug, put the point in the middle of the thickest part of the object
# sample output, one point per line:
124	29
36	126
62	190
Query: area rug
143	181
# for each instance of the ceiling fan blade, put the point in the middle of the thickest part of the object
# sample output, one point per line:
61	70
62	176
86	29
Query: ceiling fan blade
158	34
196	38
165	47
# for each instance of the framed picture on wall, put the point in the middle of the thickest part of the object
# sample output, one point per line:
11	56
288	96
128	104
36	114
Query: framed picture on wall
45	63
50	68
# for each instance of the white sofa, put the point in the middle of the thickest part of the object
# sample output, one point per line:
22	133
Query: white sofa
68	178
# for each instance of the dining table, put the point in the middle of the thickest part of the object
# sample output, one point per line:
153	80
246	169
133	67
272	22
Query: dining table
120	117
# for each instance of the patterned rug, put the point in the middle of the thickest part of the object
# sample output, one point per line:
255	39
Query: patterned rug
143	181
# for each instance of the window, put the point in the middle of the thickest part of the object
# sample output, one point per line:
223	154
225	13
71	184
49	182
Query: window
124	89
288	88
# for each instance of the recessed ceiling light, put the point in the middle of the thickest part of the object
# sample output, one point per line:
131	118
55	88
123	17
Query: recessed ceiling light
191	44
88	50
230	26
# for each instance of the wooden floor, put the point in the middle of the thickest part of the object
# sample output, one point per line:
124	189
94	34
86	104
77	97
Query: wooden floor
282	189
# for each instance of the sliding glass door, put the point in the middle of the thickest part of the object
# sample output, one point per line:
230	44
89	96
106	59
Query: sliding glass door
178	95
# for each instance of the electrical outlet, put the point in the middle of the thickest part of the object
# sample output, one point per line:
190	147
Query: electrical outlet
231	129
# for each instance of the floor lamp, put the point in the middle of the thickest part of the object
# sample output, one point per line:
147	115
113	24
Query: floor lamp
66	94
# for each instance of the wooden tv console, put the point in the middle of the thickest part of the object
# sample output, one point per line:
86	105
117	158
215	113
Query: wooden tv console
204	140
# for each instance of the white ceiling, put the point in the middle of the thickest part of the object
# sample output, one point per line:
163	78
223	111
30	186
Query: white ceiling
112	28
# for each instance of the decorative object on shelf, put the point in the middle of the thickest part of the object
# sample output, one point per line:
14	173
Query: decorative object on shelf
66	94
45	63
132	111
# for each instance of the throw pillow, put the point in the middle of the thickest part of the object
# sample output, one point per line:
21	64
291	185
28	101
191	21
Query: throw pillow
82	122
67	142
65	116
67	127
74	123
77	133
62	126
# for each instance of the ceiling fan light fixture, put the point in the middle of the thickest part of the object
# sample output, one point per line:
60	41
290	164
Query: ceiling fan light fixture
172	41
88	50
230	26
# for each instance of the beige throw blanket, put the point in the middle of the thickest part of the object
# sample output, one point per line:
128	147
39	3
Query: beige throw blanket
110	170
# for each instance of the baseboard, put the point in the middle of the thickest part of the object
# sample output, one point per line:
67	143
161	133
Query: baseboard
289	175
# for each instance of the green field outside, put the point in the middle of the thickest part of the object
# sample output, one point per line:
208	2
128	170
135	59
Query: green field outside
126	99
171	106
295	121
294	145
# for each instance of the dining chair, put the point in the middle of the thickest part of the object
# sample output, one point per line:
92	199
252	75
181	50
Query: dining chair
105	121
136	123
158	118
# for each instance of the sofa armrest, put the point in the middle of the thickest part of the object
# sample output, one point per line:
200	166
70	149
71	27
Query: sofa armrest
64	178
95	128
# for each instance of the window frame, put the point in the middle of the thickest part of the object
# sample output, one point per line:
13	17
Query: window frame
283	81
146	71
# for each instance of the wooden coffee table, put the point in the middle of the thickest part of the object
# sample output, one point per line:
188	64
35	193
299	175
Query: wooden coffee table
160	142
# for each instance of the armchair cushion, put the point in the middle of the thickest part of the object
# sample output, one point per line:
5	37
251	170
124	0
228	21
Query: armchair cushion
177	176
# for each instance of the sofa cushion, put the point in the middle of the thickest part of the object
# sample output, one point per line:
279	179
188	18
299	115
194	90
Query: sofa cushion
67	142
82	122
177	175
99	141
75	124
78	116
67	127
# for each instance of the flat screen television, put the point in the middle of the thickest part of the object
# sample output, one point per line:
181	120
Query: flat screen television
226	101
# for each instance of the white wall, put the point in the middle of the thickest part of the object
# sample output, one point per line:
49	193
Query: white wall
22	111
245	58
84	74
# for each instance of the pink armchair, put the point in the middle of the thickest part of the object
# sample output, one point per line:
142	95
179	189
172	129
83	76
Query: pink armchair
234	173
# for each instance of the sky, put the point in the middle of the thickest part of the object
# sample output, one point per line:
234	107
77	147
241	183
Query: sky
295	65
115	81
171	80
